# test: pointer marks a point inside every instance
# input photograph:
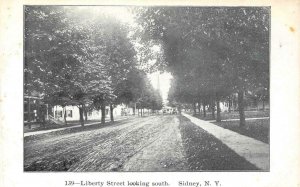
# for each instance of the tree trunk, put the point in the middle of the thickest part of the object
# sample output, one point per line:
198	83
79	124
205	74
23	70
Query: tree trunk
194	108
85	114
213	109
229	104
234	103
55	112
81	115
263	102
199	107
111	108
241	108
204	109
38	111
29	117
43	120
28	114
43	111
218	109
40	114
103	113
65	115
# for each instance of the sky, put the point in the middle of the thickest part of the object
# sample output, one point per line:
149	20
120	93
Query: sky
164	82
119	12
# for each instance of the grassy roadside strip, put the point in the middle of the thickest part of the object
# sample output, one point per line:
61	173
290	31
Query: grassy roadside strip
205	152
28	139
257	129
235	115
56	126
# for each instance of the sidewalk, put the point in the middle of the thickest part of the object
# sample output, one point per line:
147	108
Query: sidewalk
254	151
63	128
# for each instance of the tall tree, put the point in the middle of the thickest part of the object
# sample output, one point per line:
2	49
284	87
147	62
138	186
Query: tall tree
230	44
68	53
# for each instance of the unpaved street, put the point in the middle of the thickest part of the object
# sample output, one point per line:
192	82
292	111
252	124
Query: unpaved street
152	143
142	144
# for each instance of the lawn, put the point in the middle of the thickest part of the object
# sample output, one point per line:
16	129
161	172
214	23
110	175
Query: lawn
28	139
48	125
235	115
205	152
258	129
255	128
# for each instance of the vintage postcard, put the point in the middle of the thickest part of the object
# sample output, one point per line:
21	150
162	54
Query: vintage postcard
129	93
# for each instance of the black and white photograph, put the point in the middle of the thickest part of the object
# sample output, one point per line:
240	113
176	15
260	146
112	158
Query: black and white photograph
160	93
146	88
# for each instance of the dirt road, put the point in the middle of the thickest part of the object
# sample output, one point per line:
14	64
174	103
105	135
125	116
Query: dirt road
153	143
142	144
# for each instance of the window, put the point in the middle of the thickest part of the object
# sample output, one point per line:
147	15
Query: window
69	113
58	113
90	113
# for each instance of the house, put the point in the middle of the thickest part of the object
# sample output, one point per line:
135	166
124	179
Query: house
72	112
35	110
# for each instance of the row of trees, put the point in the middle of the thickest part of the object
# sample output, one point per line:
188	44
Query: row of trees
79	57
212	52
